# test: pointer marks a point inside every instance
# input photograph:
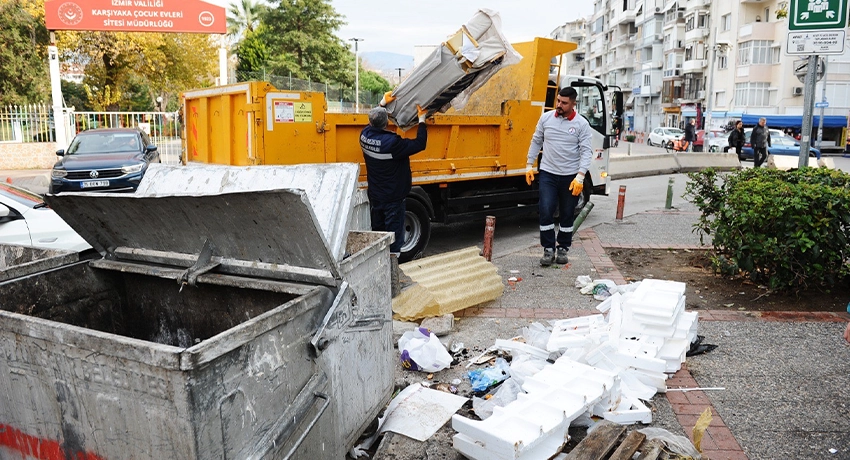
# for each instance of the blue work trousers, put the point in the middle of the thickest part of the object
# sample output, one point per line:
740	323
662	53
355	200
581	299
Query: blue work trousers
554	193
389	217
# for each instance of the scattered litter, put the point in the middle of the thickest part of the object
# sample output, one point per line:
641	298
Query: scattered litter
685	390
504	395
677	444
536	335
456	382
833	451
444	387
483	379
416	412
457	347
422	351
487	355
699	348
514	272
430	376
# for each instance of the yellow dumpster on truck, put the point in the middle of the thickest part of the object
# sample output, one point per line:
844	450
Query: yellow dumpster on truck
474	163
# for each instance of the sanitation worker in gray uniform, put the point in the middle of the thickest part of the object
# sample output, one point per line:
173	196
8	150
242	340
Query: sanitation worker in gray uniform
565	137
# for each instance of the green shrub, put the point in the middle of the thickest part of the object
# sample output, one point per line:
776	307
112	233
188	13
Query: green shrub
787	229
630	138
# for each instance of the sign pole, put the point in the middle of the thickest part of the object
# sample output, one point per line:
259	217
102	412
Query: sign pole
822	104
808	109
56	93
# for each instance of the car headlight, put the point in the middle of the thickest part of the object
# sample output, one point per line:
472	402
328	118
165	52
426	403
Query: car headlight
58	173
132	168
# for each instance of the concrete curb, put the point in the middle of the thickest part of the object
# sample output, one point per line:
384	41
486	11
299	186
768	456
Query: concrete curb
625	167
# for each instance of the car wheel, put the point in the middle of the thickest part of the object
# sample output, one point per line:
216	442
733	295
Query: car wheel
417	230
649	142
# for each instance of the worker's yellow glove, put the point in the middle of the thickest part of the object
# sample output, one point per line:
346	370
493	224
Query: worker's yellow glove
388	97
577	185
529	174
423	113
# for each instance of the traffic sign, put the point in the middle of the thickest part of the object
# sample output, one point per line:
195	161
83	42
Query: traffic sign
815	42
821	105
818	14
801	66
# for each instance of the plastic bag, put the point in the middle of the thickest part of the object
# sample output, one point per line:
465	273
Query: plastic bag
676	443
484	378
506	394
525	366
536	335
421	350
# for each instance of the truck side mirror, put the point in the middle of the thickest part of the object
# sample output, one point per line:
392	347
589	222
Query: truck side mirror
618	103
61	152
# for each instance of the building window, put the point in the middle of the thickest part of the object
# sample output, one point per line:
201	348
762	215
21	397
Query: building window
752	94
690	23
693	85
646	80
756	52
702	21
722	62
726	22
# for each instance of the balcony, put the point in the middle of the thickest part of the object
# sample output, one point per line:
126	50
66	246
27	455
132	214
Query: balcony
650	90
673	73
674	45
694	65
650	40
758	31
624	40
696	34
622	63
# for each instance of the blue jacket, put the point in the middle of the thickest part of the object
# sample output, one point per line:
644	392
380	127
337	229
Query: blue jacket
387	158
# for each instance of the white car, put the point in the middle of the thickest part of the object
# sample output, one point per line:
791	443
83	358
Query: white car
25	220
662	136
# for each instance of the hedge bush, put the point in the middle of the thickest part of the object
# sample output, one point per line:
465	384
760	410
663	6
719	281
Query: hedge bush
787	229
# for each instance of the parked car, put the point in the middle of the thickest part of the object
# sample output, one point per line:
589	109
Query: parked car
715	140
113	159
25	220
780	144
663	136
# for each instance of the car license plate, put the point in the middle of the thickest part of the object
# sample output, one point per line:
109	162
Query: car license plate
95	183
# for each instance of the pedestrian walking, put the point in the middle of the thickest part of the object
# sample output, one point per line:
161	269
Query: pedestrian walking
388	173
760	140
565	139
691	134
736	137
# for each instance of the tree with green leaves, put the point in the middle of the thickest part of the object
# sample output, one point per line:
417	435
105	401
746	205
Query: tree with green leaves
301	40
372	81
23	56
243	18
253	53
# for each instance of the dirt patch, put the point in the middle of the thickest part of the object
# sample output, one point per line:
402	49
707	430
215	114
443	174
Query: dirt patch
708	291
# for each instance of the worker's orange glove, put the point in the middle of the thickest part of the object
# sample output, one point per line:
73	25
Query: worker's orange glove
388	97
529	174
577	185
423	113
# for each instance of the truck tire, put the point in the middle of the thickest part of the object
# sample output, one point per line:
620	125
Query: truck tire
417	230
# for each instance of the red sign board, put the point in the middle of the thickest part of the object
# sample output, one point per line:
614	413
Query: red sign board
194	16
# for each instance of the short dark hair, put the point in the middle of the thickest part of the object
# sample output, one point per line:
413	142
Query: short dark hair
568	92
378	117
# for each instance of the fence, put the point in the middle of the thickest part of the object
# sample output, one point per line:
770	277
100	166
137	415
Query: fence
34	123
26	123
340	98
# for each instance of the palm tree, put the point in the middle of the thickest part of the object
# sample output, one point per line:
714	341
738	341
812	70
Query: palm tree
243	18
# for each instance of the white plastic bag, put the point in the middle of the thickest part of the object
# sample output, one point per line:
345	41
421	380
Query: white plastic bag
421	350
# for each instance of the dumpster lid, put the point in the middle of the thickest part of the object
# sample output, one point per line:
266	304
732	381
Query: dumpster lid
274	227
331	188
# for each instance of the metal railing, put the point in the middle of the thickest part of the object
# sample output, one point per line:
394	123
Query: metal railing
26	123
340	98
164	128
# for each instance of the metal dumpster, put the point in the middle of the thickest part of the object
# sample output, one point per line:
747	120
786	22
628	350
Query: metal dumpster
22	260
215	326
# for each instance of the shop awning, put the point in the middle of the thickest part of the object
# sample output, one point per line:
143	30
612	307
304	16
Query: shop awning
794	121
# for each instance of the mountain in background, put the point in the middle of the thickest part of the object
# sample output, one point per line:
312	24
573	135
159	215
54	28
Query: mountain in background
387	63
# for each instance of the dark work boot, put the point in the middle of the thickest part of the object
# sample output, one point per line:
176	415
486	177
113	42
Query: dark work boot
561	257
548	257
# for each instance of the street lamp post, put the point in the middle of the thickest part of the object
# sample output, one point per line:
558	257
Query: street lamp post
356	73
399	73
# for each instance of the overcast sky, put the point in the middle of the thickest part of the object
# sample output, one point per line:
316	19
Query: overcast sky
397	26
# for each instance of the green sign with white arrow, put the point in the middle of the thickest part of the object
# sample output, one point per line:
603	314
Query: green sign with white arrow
818	14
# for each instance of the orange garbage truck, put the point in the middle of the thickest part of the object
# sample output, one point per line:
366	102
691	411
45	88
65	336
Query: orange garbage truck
474	165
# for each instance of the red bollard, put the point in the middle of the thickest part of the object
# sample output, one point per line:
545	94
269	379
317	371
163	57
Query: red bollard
621	201
489	229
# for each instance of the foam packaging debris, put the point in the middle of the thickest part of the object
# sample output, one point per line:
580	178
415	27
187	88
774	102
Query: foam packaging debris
606	367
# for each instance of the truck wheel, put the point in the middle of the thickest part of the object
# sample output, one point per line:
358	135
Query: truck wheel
417	230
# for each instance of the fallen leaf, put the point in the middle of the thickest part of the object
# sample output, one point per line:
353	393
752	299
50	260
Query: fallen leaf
700	427
728	304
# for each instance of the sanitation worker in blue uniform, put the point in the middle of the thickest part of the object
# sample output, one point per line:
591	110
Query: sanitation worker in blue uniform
565	137
388	174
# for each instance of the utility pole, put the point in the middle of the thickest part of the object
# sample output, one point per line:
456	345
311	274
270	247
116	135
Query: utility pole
822	103
399	73
709	95
356	73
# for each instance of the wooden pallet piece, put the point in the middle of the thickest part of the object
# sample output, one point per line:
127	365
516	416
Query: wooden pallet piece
629	446
599	442
650	450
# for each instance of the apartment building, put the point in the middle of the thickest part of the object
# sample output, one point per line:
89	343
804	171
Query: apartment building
714	60
575	31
